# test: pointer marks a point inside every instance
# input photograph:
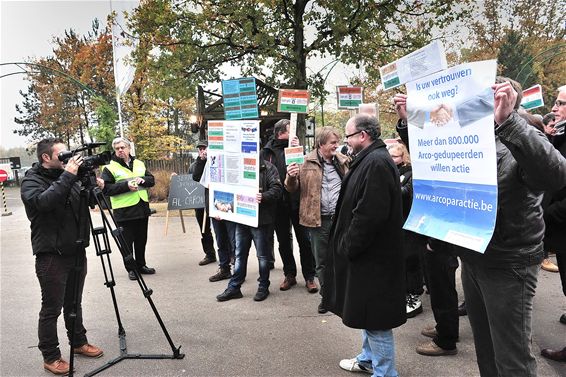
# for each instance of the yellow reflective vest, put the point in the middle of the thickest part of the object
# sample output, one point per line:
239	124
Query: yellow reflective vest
121	173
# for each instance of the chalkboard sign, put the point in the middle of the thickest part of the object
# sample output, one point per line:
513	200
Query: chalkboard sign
184	193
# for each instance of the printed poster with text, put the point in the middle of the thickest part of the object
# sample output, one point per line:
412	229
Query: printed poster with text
233	157
452	142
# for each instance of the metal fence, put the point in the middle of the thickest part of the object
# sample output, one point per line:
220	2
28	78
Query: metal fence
179	165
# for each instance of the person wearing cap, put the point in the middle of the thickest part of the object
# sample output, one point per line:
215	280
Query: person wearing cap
206	235
224	230
126	182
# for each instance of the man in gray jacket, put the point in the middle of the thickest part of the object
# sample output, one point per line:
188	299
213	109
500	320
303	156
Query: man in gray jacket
500	284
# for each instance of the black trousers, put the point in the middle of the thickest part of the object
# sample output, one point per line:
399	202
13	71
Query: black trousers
561	262
440	268
135	234
284	218
415	247
205	238
57	281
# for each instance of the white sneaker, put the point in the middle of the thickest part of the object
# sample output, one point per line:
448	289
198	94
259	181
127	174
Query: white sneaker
414	305
352	365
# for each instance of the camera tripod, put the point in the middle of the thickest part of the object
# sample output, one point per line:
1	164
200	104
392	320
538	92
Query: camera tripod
91	196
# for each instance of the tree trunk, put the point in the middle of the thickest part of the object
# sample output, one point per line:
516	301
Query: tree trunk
300	81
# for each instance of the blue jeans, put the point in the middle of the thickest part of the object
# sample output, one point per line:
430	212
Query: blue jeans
319	244
499	302
378	352
244	236
225	241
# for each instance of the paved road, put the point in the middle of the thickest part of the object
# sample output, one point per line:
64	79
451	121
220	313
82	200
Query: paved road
282	336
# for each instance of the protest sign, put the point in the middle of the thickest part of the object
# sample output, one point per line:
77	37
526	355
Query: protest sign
349	97
293	101
184	193
240	98
532	98
294	154
233	170
452	143
420	63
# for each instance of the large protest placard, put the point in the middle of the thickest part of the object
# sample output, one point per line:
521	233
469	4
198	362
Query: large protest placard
233	170
452	142
240	98
420	63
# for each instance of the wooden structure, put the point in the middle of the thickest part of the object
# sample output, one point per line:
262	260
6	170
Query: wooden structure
210	106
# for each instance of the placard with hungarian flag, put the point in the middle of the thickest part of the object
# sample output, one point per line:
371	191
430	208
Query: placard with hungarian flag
532	98
350	97
293	101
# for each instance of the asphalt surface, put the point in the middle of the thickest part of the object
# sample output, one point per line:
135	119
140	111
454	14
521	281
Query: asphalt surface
281	336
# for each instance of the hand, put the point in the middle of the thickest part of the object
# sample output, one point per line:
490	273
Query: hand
100	183
140	180
73	164
293	170
400	102
133	185
258	197
505	98
295	141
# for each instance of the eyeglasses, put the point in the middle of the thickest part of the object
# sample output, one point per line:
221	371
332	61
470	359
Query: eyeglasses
118	148
559	103
352	134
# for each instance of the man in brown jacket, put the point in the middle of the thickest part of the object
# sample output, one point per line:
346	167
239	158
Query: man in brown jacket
319	180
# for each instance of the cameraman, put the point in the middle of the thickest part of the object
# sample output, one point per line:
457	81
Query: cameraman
126	182
50	193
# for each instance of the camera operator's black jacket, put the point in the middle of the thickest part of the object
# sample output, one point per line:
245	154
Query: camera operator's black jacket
51	200
111	187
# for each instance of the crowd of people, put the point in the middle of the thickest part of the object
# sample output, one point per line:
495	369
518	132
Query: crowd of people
346	211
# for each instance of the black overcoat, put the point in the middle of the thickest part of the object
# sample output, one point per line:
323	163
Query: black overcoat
365	278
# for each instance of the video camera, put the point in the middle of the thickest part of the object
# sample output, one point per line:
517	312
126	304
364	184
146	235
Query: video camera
90	161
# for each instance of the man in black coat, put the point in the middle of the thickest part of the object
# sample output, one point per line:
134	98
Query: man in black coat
201	214
287	214
555	215
364	278
50	193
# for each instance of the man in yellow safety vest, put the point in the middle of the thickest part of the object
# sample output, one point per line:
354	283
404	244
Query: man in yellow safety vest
126	182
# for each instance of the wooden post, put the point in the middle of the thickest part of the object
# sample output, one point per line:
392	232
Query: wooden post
182	220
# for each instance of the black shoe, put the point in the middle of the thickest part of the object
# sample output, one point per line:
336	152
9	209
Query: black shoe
563	319
229	294
147	270
132	275
321	309
207	260
462	309
221	275
261	294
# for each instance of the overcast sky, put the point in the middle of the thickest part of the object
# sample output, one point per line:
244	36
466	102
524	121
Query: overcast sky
27	28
